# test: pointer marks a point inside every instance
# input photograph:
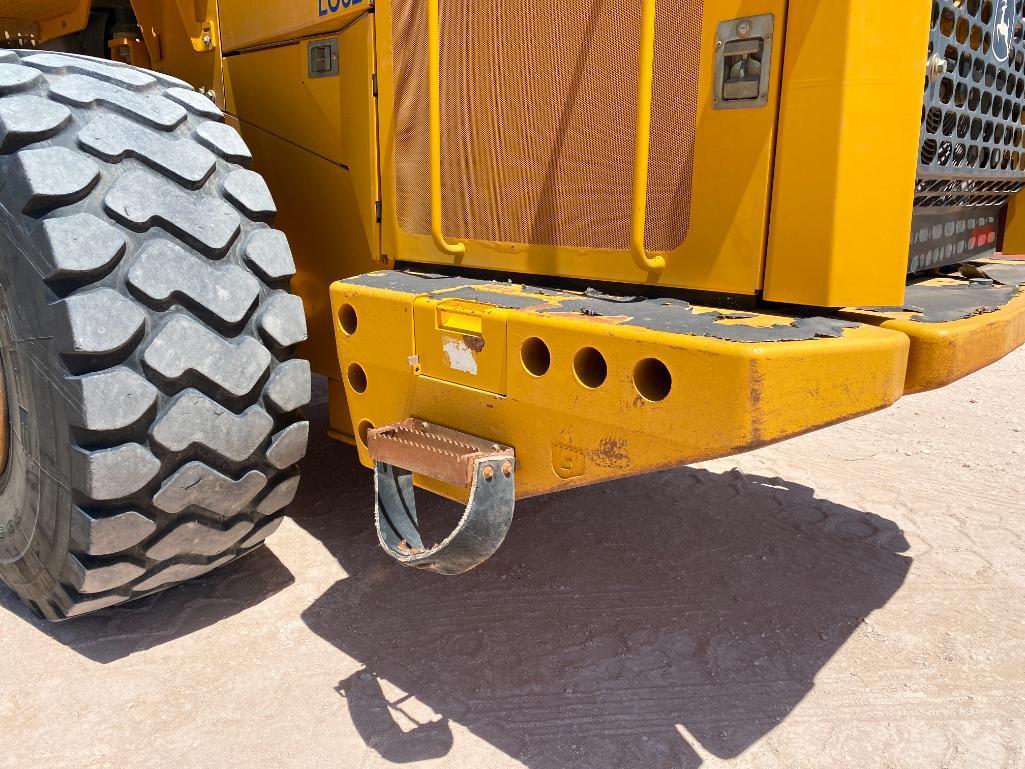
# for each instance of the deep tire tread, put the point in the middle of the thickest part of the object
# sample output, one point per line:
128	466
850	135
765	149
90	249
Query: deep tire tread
177	317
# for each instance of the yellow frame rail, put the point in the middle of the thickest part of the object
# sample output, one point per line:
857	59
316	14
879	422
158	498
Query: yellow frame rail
645	81
434	86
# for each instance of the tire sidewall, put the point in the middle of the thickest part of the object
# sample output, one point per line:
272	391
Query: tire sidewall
35	496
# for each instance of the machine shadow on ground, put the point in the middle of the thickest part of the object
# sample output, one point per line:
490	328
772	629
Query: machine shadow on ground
618	624
612	617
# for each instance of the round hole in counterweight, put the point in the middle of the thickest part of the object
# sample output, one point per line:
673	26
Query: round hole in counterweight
357	378
361	432
652	379
347	319
590	367
536	356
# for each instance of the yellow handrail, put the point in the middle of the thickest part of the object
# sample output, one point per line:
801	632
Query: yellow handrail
644	87
434	86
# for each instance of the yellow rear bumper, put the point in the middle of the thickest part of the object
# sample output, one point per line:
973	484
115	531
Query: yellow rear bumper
587	388
944	346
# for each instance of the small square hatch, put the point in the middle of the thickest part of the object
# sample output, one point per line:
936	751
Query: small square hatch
462	342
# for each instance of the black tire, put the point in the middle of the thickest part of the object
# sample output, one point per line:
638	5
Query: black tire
146	330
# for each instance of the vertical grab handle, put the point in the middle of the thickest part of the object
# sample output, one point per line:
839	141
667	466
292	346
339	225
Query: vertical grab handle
434	87
645	80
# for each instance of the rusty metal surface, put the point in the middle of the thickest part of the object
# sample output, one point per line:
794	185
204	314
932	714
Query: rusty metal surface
434	451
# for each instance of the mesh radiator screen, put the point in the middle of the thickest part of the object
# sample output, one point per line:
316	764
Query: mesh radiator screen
538	106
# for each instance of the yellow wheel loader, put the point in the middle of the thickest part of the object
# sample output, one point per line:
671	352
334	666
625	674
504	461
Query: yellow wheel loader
531	247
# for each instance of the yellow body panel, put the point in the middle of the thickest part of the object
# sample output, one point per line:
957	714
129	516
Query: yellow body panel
844	107
849	127
942	353
315	142
168	36
725	246
1014	227
463	342
728	396
42	20
246	24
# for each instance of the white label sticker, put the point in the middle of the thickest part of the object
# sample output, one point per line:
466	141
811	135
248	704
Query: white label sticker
459	356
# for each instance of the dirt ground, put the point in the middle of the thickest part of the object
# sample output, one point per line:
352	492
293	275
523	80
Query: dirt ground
853	598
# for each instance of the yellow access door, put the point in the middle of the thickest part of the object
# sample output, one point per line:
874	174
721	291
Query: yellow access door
537	127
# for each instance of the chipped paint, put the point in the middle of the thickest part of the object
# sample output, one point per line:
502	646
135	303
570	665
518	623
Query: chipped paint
459	356
671	316
475	343
611	453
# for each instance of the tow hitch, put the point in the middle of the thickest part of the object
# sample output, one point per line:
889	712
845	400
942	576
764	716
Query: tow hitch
487	469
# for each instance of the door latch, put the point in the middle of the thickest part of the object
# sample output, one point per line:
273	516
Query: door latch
323	58
743	62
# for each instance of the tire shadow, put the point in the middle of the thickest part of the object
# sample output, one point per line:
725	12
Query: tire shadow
641	623
113	634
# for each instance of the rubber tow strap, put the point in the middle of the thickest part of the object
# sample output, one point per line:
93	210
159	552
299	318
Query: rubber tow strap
480	532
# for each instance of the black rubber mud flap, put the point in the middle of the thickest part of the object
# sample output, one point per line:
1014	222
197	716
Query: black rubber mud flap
480	531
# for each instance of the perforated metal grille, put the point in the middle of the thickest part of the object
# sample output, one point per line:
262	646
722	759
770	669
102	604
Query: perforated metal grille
952	238
539	106
973	143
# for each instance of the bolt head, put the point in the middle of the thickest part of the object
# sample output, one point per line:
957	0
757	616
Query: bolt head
744	28
507	468
488	472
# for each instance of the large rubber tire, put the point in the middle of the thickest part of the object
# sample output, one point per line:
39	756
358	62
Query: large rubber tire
146	330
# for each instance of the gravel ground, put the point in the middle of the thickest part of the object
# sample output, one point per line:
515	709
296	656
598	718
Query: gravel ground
852	598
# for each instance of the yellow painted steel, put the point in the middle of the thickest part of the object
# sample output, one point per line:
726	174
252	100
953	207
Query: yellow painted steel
249	24
1013	232
842	181
725	247
847	155
199	19
942	353
463	342
434	86
45	19
130	50
725	396
645	82
314	140
169	40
